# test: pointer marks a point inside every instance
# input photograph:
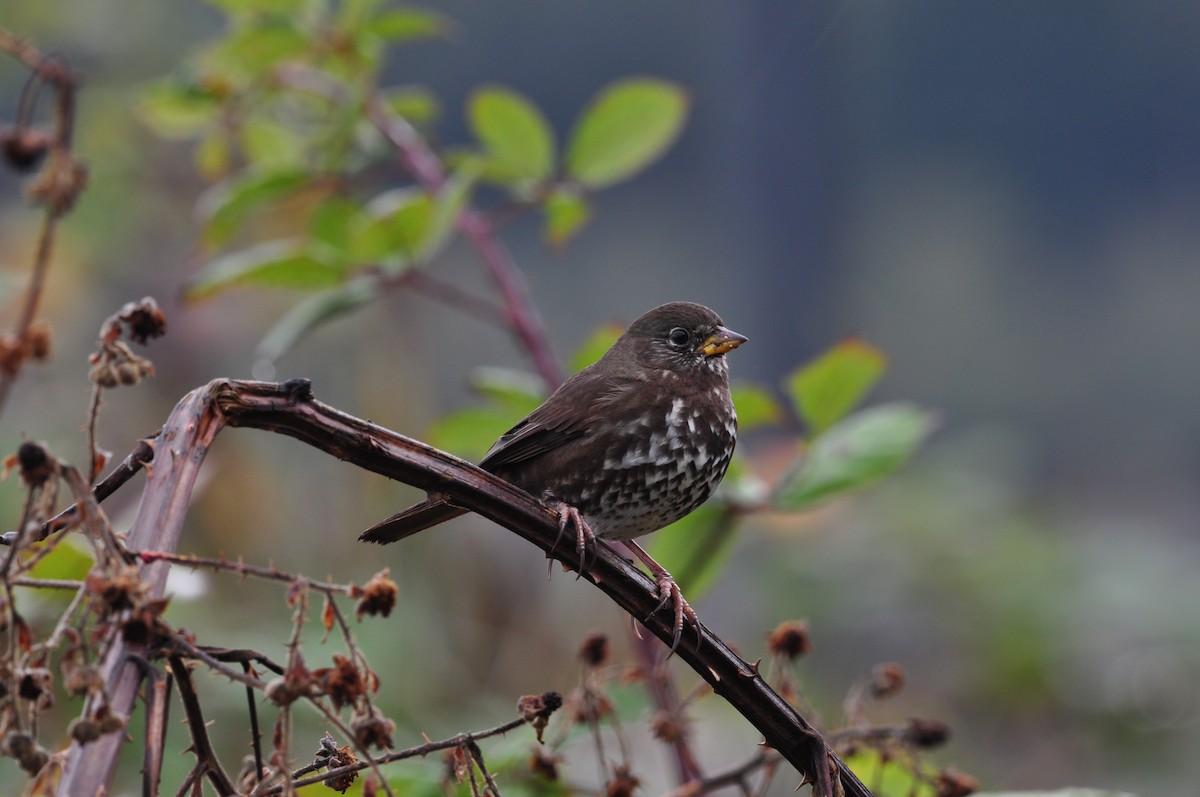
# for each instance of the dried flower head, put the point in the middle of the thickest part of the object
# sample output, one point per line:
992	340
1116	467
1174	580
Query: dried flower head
886	680
378	595
370	727
623	783
342	682
594	650
926	732
790	639
952	783
536	709
36	464
24	147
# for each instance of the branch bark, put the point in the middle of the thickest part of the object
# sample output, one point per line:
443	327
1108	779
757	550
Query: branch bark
289	409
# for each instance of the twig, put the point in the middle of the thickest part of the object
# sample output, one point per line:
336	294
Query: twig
369	446
141	455
242	569
732	777
255	731
522	316
477	755
289	409
447	293
242	656
93	416
158	704
420	751
666	699
186	436
53	72
196	727
192	652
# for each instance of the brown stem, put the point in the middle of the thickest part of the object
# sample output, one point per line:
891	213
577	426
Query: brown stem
187	434
289	409
522	315
376	449
201	745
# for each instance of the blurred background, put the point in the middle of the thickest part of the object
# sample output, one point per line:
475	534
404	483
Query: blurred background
1002	196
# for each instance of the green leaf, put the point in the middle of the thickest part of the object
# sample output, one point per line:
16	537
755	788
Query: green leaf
824	390
628	126
227	205
518	392
567	211
416	104
393	228
275	264
66	561
470	432
249	52
450	202
407	225
261	6
177	109
694	548
594	347
756	406
400	25
332	223
517	139
271	147
893	778
314	311
856	452
1069	792
213	155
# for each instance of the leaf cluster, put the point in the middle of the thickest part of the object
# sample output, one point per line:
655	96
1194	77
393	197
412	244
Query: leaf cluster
301	140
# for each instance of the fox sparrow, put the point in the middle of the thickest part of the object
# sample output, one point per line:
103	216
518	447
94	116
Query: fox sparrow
625	447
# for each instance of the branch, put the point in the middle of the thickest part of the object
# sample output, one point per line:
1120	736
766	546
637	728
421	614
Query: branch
521	314
379	450
289	409
185	438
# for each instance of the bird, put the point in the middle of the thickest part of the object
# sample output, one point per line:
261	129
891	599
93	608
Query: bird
626	446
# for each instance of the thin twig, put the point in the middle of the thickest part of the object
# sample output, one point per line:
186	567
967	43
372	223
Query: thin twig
255	731
137	460
419	751
201	745
53	72
240	568
93	416
449	294
288	409
666	699
522	316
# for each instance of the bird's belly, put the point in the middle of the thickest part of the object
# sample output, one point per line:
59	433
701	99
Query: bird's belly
634	498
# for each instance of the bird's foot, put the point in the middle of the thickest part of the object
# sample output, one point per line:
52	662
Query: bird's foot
567	516
668	593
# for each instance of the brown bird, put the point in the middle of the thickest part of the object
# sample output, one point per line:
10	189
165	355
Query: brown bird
626	446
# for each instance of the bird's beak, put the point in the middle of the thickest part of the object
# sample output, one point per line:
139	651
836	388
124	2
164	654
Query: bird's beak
721	341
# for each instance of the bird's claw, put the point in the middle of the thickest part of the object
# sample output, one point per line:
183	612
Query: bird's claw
569	515
669	592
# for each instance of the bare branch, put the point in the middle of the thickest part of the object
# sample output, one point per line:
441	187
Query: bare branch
289	409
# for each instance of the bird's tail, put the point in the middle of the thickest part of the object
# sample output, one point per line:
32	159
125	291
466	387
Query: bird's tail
417	517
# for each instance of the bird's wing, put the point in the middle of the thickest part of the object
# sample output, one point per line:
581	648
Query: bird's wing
564	417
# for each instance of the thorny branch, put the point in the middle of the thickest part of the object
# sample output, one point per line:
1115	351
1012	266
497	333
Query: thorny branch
289	409
56	186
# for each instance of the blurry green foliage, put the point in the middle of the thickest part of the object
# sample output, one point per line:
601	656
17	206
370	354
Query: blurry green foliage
288	114
828	387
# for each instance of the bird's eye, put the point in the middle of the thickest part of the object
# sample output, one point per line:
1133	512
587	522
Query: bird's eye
679	337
